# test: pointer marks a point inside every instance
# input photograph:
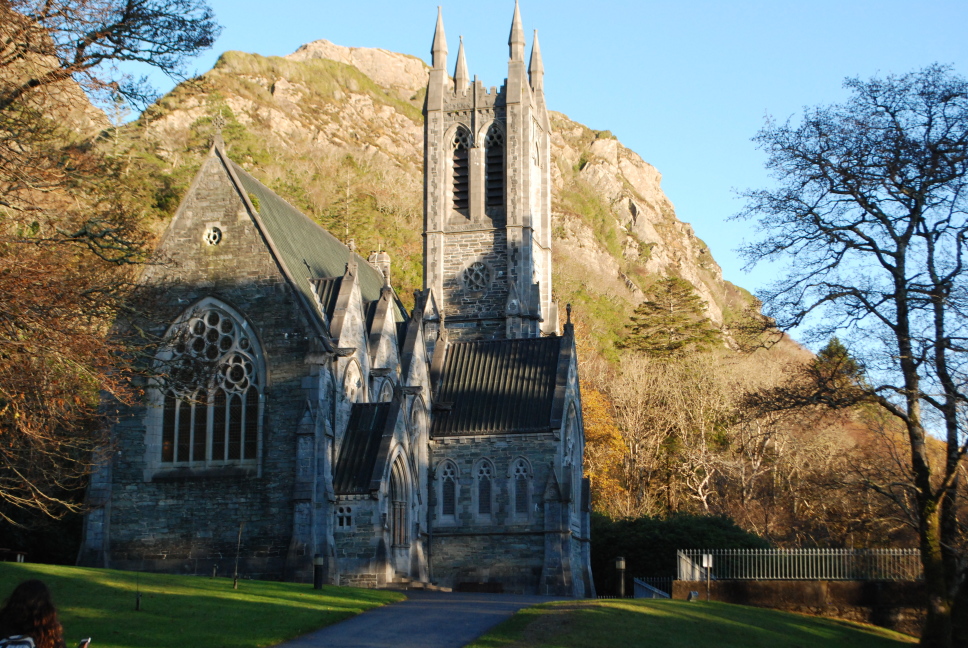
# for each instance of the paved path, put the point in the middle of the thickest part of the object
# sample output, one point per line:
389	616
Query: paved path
424	620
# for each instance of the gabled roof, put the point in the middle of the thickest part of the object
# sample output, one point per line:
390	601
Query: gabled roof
498	387
360	449
326	290
305	248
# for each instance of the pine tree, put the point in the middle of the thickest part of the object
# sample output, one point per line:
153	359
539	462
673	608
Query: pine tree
672	320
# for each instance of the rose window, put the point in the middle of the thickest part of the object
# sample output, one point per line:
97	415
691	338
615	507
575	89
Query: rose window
213	236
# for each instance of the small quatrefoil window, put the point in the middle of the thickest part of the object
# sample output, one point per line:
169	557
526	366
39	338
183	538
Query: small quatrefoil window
213	236
477	277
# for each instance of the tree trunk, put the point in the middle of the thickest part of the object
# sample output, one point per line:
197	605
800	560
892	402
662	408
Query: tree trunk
959	616
938	624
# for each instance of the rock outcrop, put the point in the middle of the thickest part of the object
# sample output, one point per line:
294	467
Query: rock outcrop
615	230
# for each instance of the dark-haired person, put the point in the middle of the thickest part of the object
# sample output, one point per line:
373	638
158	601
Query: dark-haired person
30	613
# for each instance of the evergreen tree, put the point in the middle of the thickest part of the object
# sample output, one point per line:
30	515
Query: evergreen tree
671	321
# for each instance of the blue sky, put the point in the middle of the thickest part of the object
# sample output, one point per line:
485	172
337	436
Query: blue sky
684	83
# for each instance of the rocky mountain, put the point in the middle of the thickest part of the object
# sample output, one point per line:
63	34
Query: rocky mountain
338	132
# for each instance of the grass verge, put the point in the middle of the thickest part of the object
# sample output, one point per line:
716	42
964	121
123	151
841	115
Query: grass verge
678	624
178	611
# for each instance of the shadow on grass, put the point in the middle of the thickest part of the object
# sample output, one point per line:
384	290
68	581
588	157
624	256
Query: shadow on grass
675	624
178	611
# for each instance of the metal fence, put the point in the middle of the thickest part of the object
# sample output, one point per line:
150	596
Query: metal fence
652	587
799	564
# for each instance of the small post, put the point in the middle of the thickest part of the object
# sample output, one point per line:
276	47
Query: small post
318	571
707	564
620	570
238	548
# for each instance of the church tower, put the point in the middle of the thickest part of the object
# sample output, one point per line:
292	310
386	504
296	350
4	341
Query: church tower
487	196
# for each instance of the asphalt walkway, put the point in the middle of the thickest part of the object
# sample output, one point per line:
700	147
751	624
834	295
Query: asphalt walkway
424	620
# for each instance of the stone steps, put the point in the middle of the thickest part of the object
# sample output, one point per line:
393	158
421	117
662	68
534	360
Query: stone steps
404	584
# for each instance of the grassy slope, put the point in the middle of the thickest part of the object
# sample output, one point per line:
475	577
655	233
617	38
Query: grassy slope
678	624
179	611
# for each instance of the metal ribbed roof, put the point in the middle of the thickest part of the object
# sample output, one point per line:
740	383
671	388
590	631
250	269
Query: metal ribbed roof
497	387
306	248
360	448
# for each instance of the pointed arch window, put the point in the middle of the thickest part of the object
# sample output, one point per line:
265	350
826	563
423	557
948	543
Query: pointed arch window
461	169
399	532
484	491
521	486
448	491
212	390
494	167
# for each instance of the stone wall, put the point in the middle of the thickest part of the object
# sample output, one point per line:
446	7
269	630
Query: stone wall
503	547
896	605
187	519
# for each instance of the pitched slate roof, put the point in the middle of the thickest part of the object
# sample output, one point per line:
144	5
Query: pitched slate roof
497	387
307	250
360	449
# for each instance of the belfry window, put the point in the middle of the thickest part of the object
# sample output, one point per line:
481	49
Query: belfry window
494	167
211	395
461	170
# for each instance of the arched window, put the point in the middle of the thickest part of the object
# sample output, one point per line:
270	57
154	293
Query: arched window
399	535
494	167
484	478
344	518
418	419
521	487
353	383
386	392
461	170
448	490
572	459
212	393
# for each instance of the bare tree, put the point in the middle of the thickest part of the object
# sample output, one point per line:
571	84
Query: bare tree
870	210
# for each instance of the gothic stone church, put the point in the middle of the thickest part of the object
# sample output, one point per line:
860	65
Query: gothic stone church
303	417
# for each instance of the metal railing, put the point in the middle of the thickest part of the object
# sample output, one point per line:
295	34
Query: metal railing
799	564
652	587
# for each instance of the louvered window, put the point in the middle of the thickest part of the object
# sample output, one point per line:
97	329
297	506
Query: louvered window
461	170
494	167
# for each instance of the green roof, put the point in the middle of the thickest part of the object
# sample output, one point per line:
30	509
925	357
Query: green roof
308	251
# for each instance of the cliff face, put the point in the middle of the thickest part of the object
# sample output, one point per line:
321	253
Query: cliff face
338	132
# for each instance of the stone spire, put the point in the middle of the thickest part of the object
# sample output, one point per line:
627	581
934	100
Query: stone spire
536	67
460	72
438	50
516	39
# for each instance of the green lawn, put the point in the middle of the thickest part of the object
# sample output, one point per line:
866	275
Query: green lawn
193	611
678	624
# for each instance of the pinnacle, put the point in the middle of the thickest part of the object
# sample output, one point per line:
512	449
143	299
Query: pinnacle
460	72
516	39
536	67
438	50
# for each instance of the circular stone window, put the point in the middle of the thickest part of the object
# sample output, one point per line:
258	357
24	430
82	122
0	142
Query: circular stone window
477	277
213	236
